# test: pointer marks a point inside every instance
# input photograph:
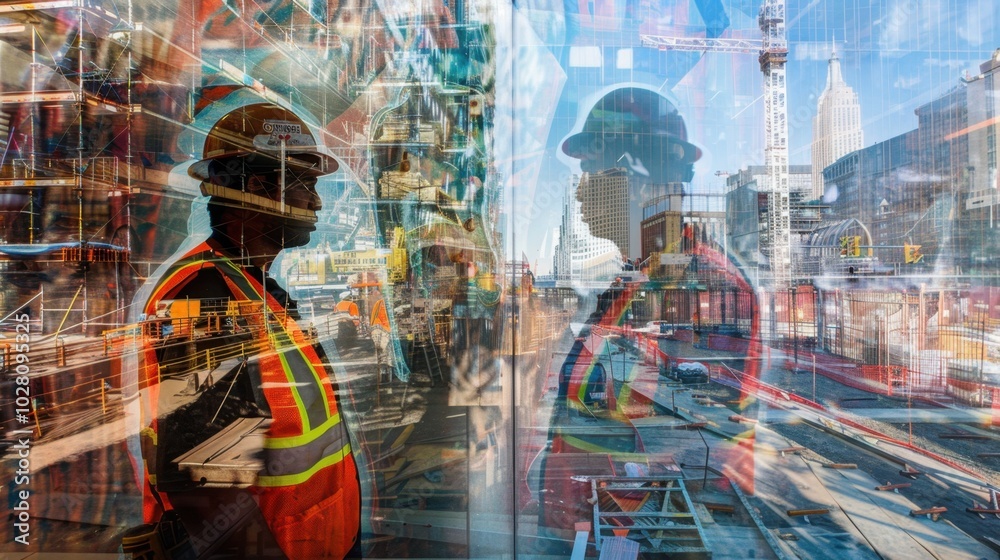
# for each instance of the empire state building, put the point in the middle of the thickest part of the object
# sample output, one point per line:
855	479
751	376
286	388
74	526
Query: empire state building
836	126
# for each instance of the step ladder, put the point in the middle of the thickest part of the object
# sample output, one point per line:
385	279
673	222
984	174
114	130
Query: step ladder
4	137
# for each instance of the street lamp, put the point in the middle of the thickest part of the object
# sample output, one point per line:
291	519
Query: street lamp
814	375
704	480
982	307
673	401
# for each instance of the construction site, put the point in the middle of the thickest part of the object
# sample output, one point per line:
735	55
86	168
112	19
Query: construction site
692	406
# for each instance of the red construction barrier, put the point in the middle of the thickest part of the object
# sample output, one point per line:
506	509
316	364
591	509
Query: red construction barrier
757	386
995	409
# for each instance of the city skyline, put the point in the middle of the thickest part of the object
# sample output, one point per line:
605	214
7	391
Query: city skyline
908	54
894	68
271	286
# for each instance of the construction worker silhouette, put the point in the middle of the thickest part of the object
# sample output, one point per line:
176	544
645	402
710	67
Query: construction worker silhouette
639	129
258	414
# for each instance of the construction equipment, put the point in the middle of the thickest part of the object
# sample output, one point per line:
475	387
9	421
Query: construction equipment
983	511
911	254
807	511
772	54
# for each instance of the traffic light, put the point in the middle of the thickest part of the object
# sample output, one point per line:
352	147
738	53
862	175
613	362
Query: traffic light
855	249
845	246
911	254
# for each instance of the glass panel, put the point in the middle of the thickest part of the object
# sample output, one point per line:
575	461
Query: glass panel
669	278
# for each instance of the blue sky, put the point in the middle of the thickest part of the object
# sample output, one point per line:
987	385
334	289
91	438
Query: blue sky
897	54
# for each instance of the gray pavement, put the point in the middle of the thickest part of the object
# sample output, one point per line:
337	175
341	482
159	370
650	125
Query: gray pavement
862	523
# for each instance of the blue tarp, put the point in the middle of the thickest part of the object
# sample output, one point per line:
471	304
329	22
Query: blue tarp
35	249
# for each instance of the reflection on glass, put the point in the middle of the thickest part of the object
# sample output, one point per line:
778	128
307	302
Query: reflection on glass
303	279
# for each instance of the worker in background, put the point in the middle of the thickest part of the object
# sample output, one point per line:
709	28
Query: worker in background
349	322
641	130
260	167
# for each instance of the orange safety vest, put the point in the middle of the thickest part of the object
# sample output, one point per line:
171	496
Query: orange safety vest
308	492
348	307
379	316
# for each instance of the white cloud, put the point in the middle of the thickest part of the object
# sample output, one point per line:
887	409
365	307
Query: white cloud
979	19
935	25
812	51
907	175
907	22
904	82
946	63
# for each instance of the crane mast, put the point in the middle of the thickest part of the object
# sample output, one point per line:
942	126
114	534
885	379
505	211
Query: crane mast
773	55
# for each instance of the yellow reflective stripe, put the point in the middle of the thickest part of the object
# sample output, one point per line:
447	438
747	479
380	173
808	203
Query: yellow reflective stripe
597	448
298	441
239	277
319	382
148	432
581	394
166	284
585	445
293	479
312	371
293	387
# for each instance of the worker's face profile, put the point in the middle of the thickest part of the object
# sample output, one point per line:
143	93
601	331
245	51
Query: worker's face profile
650	160
585	201
262	176
300	192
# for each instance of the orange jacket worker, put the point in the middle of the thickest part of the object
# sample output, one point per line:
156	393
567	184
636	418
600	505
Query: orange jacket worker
260	169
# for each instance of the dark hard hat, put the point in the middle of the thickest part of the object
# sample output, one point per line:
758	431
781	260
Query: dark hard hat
254	133
633	115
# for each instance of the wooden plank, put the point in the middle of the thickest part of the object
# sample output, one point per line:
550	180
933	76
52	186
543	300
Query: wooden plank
925	511
982	510
403	436
812	511
934	512
910	472
886	487
580	542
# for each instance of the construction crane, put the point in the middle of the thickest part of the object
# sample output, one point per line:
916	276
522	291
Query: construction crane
772	53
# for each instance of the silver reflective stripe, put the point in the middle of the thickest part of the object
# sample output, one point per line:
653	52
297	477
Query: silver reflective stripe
295	460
